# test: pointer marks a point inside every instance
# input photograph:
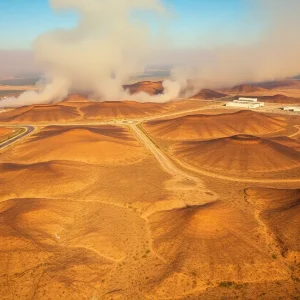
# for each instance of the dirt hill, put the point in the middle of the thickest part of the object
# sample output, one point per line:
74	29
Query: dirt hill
215	126
101	144
241	154
126	109
279	99
40	113
244	88
280	211
149	87
207	94
209	241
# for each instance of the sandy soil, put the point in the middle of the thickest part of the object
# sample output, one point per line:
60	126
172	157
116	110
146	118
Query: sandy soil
205	127
105	212
5	132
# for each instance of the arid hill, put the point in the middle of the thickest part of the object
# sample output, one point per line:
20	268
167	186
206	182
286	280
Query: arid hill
244	88
279	99
40	114
149	87
207	94
103	144
239	155
291	143
208	243
287	83
5	132
215	126
46	179
77	98
126	109
70	246
280	211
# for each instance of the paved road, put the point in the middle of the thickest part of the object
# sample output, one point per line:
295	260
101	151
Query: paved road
165	161
159	155
28	130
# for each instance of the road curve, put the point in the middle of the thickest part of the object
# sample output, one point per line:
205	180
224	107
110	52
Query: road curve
165	162
232	178
14	139
296	133
168	164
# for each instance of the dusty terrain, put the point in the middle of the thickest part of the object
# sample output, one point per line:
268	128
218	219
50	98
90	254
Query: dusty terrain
240	154
149	87
5	132
205	127
78	109
285	91
207	94
185	200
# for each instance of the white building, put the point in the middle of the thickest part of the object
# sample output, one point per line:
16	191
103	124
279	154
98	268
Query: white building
247	99
292	108
246	103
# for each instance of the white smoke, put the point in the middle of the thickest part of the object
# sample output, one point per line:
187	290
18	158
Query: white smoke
110	44
106	48
275	56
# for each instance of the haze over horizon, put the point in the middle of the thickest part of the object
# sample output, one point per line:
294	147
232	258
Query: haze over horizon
98	45
188	28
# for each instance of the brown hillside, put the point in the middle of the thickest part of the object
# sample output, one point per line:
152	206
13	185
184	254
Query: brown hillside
287	83
209	243
215	126
279	99
5	132
241	154
77	98
208	94
47	179
68	246
126	109
40	113
286	141
244	88
103	144
149	87
280	210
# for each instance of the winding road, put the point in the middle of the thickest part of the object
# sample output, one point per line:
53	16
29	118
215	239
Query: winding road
169	166
28	130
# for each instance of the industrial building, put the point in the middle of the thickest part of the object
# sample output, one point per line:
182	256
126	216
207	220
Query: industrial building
246	103
292	108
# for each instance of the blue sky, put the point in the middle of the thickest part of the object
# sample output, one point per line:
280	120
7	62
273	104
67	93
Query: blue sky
194	22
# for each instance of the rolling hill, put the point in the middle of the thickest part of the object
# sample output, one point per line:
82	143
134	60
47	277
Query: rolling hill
208	243
206	94
40	114
149	87
193	127
280	211
126	109
102	145
239	155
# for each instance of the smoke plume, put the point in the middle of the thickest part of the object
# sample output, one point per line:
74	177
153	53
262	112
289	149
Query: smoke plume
110	44
107	47
275	56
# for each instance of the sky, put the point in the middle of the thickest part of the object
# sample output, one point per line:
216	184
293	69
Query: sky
190	24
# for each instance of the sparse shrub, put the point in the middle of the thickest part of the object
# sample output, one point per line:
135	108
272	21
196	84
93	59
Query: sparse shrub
226	284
